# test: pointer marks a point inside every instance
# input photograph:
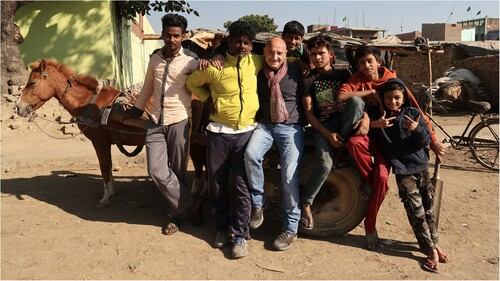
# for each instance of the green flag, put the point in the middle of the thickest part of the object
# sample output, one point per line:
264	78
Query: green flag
468	9
344	19
478	13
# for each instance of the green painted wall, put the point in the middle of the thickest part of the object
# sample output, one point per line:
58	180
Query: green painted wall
86	36
76	33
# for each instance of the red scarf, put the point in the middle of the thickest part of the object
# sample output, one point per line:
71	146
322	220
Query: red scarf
277	103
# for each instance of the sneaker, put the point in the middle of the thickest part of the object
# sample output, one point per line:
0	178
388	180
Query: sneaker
284	240
221	239
256	218
239	247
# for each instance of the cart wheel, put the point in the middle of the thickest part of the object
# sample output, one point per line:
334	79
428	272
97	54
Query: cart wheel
339	207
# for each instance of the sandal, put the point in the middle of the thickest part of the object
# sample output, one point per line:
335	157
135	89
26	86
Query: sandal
429	265
171	227
372	240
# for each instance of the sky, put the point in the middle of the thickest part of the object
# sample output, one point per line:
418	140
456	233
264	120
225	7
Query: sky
395	16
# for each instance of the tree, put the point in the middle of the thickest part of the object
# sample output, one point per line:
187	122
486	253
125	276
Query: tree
14	70
260	23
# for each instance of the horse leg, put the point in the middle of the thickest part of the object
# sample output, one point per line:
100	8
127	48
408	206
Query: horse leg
103	150
197	153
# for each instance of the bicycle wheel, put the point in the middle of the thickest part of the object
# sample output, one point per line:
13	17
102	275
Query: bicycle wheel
484	144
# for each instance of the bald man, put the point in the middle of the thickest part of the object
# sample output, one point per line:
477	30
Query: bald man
281	120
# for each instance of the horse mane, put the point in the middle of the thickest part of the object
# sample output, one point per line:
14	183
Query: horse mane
83	79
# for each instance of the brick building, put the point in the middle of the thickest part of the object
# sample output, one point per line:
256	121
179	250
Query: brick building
446	32
409	36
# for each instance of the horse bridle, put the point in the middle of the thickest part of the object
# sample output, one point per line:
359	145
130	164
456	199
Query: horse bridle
44	75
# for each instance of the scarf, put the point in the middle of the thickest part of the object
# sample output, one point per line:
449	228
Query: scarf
277	103
297	53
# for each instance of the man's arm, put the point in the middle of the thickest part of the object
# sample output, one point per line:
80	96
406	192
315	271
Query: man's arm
147	88
332	137
196	82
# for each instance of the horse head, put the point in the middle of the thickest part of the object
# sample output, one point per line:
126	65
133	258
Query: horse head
47	79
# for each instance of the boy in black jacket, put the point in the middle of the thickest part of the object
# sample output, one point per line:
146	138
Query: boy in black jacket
404	137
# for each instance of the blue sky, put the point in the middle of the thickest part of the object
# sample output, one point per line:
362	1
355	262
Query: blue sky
389	15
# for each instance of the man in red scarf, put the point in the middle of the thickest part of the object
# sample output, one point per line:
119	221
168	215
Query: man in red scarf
365	83
281	120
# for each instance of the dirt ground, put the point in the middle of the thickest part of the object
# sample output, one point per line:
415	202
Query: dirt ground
51	230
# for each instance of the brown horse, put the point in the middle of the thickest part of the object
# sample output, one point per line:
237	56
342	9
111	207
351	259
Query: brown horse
80	95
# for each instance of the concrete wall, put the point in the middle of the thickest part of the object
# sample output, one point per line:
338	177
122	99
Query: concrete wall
141	50
75	33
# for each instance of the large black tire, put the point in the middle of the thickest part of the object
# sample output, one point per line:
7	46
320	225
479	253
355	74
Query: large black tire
339	207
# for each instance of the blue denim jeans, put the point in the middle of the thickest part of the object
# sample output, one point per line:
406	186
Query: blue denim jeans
324	152
290	143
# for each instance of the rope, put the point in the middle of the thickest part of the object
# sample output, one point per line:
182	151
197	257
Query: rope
32	119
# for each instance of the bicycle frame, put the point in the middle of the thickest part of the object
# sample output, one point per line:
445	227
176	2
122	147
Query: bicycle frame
455	140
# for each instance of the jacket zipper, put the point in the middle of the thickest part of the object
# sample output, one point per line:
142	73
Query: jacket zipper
241	91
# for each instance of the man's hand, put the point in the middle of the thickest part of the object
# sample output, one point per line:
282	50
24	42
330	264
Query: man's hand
218	61
335	140
383	122
411	124
134	112
438	148
204	64
362	126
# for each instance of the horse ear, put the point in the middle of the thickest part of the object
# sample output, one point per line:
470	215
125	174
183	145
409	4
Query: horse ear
43	64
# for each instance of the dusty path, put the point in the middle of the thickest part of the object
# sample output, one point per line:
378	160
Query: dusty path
50	229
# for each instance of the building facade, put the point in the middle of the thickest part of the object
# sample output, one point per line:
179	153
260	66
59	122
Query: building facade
87	36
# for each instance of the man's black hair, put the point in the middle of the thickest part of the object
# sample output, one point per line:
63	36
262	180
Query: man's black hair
366	50
294	27
174	20
241	28
319	41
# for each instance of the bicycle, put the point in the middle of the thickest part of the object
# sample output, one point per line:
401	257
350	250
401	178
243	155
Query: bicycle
482	139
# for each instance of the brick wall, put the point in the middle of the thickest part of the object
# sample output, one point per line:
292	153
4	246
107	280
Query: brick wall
414	68
486	69
449	32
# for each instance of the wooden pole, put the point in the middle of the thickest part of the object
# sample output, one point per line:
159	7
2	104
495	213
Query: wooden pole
429	108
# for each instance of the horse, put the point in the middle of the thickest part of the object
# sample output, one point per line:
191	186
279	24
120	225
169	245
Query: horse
85	100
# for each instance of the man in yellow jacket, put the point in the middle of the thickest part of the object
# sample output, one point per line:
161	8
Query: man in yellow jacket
233	92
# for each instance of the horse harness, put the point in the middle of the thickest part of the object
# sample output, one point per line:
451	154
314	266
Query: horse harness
104	115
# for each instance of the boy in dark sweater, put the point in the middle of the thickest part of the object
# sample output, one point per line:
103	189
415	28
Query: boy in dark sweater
404	137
